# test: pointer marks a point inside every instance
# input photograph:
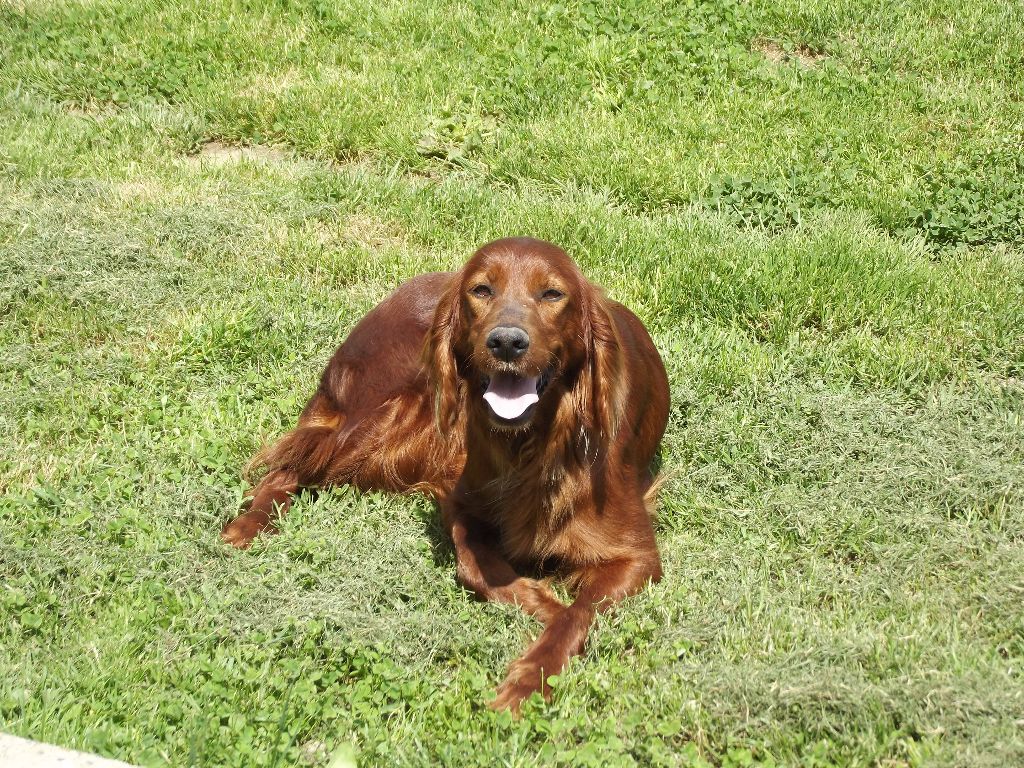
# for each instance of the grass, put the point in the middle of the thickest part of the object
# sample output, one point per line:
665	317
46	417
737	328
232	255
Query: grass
814	206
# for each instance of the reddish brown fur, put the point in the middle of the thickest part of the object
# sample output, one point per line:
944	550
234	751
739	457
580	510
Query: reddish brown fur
400	408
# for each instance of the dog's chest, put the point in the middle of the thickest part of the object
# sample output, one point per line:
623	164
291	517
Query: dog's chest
538	523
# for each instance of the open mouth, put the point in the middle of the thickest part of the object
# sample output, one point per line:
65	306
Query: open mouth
511	397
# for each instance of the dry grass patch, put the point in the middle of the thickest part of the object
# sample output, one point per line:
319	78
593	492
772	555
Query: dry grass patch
370	232
141	191
220	153
275	84
779	54
92	110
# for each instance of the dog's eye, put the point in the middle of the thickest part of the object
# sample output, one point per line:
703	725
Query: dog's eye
552	295
482	291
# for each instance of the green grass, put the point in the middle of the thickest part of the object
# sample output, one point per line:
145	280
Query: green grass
814	206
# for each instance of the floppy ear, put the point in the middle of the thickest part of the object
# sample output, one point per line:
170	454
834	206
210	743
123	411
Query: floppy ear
439	355
601	378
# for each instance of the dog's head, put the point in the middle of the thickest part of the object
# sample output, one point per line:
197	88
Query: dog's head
519	328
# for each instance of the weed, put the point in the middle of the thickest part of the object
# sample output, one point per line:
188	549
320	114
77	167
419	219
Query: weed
977	201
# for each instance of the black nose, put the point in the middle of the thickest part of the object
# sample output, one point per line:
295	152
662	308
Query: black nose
507	342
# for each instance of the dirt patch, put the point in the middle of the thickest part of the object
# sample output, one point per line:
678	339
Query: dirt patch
219	153
778	54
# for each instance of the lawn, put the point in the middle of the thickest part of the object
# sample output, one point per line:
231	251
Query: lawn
817	208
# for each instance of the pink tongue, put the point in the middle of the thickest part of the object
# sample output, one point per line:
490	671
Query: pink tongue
509	396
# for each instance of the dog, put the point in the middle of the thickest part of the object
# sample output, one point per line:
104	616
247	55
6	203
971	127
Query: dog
529	405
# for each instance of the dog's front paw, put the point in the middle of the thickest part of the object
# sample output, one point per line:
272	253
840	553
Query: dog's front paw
525	677
243	529
512	694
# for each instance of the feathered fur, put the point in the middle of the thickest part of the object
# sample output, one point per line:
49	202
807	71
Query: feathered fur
567	485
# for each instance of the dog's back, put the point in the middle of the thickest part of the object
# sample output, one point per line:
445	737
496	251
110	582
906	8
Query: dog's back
370	423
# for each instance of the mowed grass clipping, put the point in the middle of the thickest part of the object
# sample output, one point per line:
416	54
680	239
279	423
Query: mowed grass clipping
815	207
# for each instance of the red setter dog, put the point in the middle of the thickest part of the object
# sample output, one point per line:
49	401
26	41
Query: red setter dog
528	404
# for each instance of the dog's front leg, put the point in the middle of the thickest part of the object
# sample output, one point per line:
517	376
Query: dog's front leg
267	502
483	570
602	585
